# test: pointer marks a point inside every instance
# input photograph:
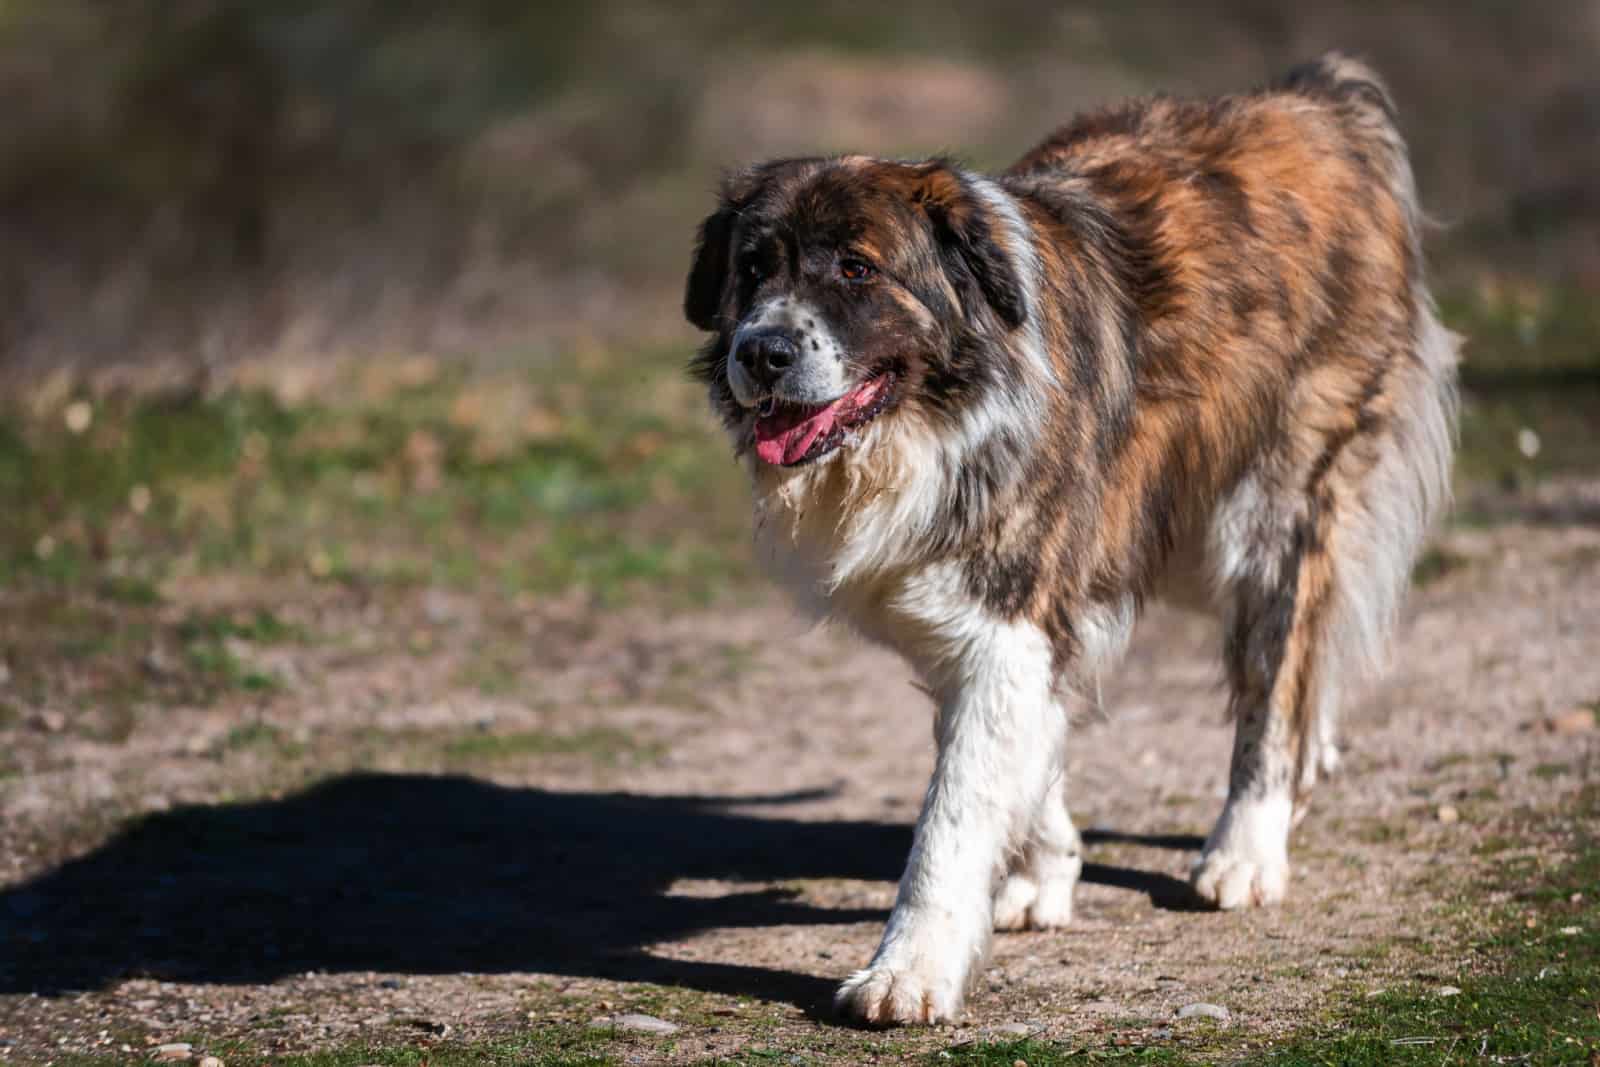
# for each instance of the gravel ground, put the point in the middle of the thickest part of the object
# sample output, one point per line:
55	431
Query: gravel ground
456	819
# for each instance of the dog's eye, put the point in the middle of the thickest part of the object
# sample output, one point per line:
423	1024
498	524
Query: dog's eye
855	270
753	270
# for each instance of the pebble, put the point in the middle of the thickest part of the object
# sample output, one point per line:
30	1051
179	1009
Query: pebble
1200	1010
211	1061
1447	813
175	1052
78	416
51	722
1572	721
1016	1029
1448	991
642	1024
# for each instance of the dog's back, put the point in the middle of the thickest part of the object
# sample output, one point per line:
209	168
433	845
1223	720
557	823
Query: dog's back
1285	428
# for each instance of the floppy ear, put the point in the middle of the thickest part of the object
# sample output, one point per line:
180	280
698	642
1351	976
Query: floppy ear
702	296
978	265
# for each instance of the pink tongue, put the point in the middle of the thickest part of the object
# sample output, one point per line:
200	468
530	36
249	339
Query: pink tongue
786	436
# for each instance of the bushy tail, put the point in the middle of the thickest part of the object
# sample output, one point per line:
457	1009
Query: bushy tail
1341	79
1381	534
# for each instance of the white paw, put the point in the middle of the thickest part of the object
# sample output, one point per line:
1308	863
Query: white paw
1026	902
887	995
1246	859
1228	880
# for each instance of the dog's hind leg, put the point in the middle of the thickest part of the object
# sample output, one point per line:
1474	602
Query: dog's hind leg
1314	565
1270	654
1037	893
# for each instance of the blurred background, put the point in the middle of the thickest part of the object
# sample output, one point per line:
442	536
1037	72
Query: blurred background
202	182
385	296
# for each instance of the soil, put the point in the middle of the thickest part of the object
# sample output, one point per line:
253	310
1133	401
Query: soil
457	818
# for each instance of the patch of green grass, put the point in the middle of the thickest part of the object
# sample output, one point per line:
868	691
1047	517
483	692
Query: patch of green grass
1531	366
259	735
602	744
1535	999
1051	1054
1533	995
124	590
605	473
1553	333
260	625
208	652
108	657
208	647
1380	831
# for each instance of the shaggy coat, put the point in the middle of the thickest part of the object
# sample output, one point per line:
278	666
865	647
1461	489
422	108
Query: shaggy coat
1180	349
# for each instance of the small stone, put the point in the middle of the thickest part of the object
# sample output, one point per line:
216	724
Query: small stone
139	499
174	1052
51	722
157	664
5	673
1448	991
1572	721
635	1022
1019	1063
1569	931
1447	813
1201	1010
438	608
211	1061
1527	442
1014	1029
78	416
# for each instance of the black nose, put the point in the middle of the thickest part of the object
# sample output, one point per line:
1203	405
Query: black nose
766	355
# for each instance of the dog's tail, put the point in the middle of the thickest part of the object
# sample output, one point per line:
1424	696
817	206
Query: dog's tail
1344	80
1409	484
1362	100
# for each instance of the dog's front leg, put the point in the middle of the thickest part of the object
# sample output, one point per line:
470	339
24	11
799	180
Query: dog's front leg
1000	738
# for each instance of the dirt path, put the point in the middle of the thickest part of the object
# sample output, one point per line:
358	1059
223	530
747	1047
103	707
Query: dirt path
429	833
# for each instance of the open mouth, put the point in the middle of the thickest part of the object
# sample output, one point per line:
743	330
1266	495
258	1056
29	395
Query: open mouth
789	434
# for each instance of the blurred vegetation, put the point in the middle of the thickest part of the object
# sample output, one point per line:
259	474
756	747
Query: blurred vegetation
197	182
227	195
413	476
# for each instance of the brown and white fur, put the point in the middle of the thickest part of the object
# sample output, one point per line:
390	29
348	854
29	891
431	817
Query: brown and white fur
1180	349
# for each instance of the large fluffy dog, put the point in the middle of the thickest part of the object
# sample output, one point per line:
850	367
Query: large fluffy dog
1182	348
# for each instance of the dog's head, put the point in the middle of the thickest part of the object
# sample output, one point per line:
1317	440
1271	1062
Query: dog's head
843	291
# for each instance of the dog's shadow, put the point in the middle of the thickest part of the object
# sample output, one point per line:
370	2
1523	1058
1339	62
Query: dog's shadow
418	874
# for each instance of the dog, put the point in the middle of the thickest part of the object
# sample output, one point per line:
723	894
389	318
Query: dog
1181	349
